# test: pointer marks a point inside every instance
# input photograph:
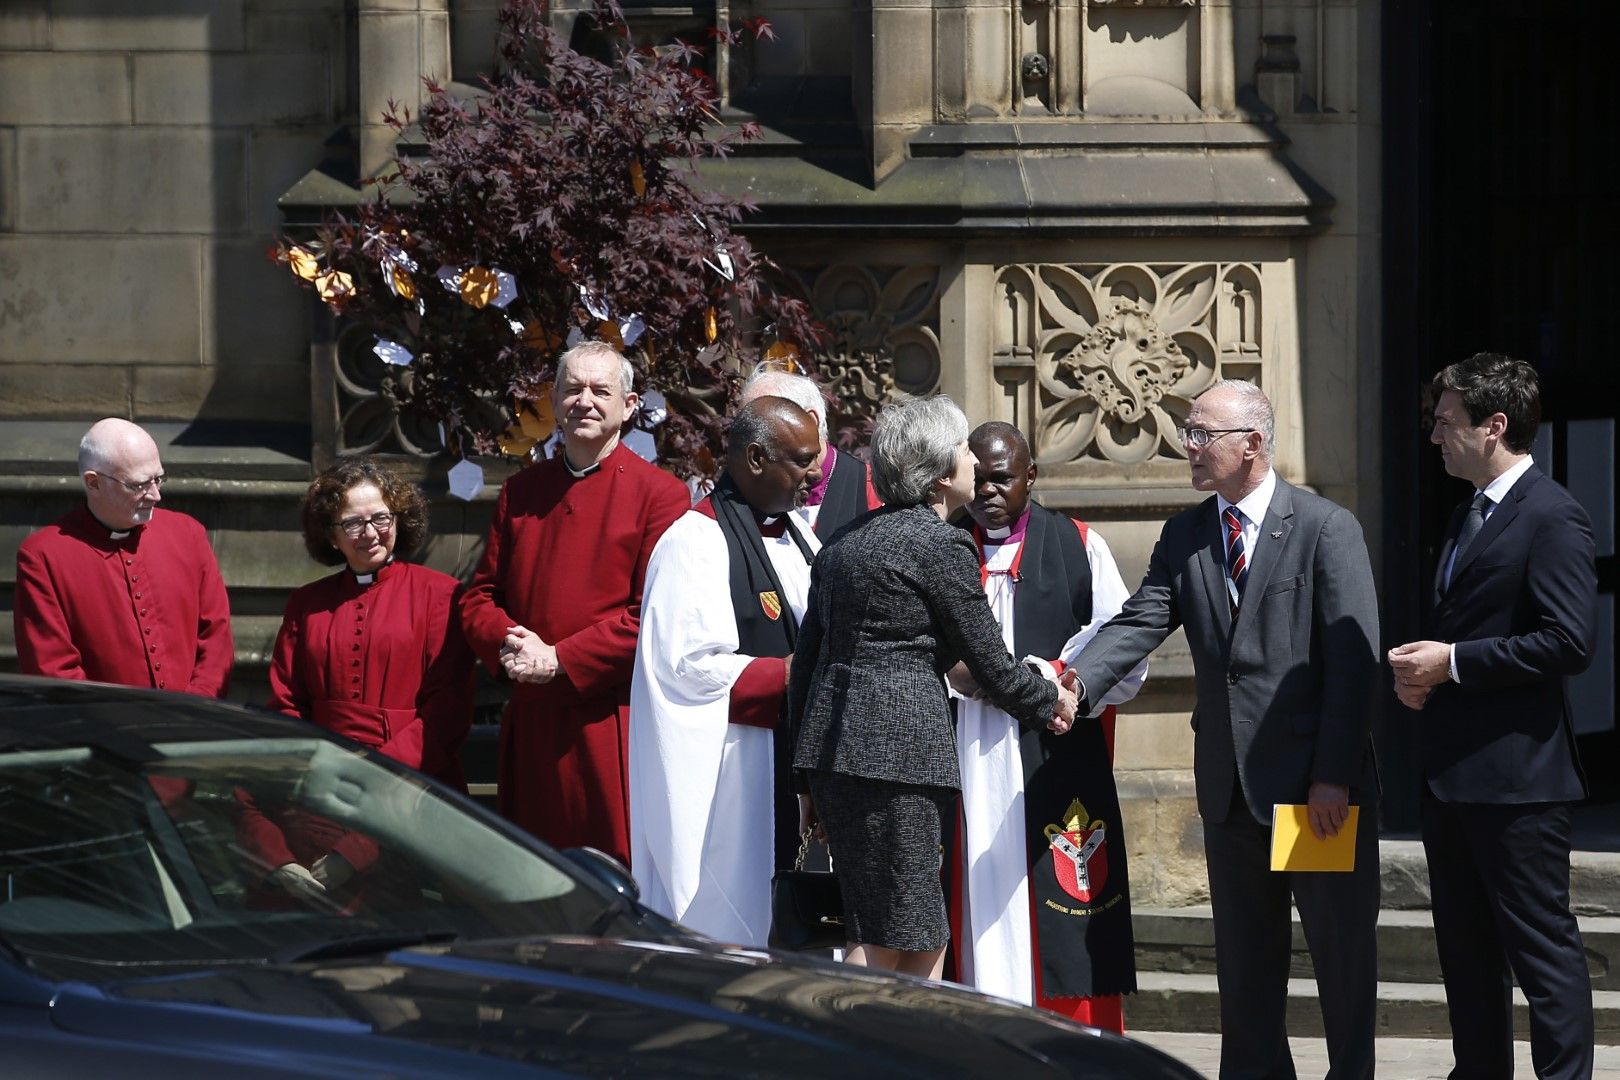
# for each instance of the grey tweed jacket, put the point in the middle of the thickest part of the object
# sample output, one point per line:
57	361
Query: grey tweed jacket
895	601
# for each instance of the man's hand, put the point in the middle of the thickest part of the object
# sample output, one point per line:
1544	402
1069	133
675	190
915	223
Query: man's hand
1413	697
297	882
787	671
527	658
1328	807
1067	702
963	682
1421	663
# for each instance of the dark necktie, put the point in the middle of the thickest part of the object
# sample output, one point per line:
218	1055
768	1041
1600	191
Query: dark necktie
1472	522
1237	557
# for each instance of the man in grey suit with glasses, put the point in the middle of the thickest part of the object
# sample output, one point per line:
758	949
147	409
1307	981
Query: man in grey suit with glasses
1274	590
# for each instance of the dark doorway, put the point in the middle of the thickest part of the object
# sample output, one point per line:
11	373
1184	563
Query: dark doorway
1498	227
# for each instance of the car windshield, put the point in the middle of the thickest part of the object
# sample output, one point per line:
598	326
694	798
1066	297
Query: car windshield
172	855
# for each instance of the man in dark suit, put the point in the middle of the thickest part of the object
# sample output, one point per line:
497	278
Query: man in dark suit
1514	608
1274	590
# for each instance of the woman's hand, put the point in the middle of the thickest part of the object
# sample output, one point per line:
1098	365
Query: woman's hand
1067	702
962	681
808	821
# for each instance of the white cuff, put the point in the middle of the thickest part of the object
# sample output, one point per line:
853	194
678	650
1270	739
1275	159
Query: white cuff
1042	667
1452	649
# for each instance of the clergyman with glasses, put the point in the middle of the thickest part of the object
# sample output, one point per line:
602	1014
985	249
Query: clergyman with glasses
119	589
373	652
1274	589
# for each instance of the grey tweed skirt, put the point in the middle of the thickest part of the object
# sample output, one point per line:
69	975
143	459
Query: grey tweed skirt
884	838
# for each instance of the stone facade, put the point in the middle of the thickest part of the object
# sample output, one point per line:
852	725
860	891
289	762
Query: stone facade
1070	214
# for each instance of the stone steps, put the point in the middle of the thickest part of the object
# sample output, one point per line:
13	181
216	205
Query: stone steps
1594	878
1175	955
1167	1001
1182	941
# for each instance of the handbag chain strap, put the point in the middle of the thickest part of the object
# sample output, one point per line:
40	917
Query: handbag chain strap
804	851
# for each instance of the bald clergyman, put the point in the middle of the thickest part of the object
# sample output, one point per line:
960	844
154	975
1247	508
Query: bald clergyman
120	590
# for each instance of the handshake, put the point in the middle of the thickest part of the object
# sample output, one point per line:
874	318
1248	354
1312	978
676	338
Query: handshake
1063	714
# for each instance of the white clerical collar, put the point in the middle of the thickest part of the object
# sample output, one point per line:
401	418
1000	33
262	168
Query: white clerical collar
119	535
368	578
998	535
580	474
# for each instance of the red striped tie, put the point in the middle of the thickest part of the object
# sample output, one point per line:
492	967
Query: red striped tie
1237	557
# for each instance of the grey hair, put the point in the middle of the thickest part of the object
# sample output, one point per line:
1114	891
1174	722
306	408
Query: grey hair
1253	410
768	380
92	455
914	444
592	349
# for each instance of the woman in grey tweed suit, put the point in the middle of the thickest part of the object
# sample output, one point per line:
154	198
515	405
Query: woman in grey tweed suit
895	602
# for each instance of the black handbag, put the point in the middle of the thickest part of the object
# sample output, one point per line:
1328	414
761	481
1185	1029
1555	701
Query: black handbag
807	907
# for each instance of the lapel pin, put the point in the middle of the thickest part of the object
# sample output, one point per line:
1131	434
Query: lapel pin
1277	535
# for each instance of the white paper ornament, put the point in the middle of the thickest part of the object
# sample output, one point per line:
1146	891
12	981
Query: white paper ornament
642	444
466	480
392	352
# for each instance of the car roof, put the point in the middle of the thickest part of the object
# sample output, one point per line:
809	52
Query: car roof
40	713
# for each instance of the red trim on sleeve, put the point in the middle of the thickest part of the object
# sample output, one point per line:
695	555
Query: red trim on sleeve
756	696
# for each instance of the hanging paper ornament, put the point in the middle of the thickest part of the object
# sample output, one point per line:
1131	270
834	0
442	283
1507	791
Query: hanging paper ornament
514	442
608	331
302	263
654	409
480	287
631	328
642	444
575	336
535	415
449	277
784	354
594	304
466	480
638	179
392	352
334	286
711	325
396	270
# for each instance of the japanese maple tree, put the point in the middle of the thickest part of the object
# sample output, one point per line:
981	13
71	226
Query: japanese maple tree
561	202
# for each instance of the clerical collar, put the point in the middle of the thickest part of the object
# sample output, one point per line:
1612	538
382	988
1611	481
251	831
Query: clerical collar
580	474
368	578
828	462
111	535
1009	534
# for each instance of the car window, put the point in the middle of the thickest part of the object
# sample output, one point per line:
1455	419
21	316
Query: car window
251	851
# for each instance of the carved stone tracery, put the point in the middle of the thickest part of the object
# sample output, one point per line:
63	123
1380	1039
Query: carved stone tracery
1101	362
883	326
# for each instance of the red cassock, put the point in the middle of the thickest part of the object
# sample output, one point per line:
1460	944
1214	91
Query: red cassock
566	557
384	664
146	609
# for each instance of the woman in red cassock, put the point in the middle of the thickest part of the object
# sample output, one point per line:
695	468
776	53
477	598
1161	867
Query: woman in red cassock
374	652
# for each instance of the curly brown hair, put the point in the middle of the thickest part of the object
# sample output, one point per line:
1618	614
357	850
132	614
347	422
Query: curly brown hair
318	511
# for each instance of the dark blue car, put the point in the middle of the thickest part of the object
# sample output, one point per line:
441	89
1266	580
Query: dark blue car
150	927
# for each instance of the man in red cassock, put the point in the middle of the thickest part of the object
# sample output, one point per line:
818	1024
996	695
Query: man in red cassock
119	590
555	605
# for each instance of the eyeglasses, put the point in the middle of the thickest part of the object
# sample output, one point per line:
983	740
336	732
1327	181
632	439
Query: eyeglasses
138	487
382	521
1200	437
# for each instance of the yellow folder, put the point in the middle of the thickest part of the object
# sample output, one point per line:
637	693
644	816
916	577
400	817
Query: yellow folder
1295	847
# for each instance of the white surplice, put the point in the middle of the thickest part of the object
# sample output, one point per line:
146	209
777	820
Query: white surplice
998	956
701	788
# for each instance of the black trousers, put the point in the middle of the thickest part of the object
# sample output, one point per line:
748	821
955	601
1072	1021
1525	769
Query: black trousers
1253	946
1499	883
